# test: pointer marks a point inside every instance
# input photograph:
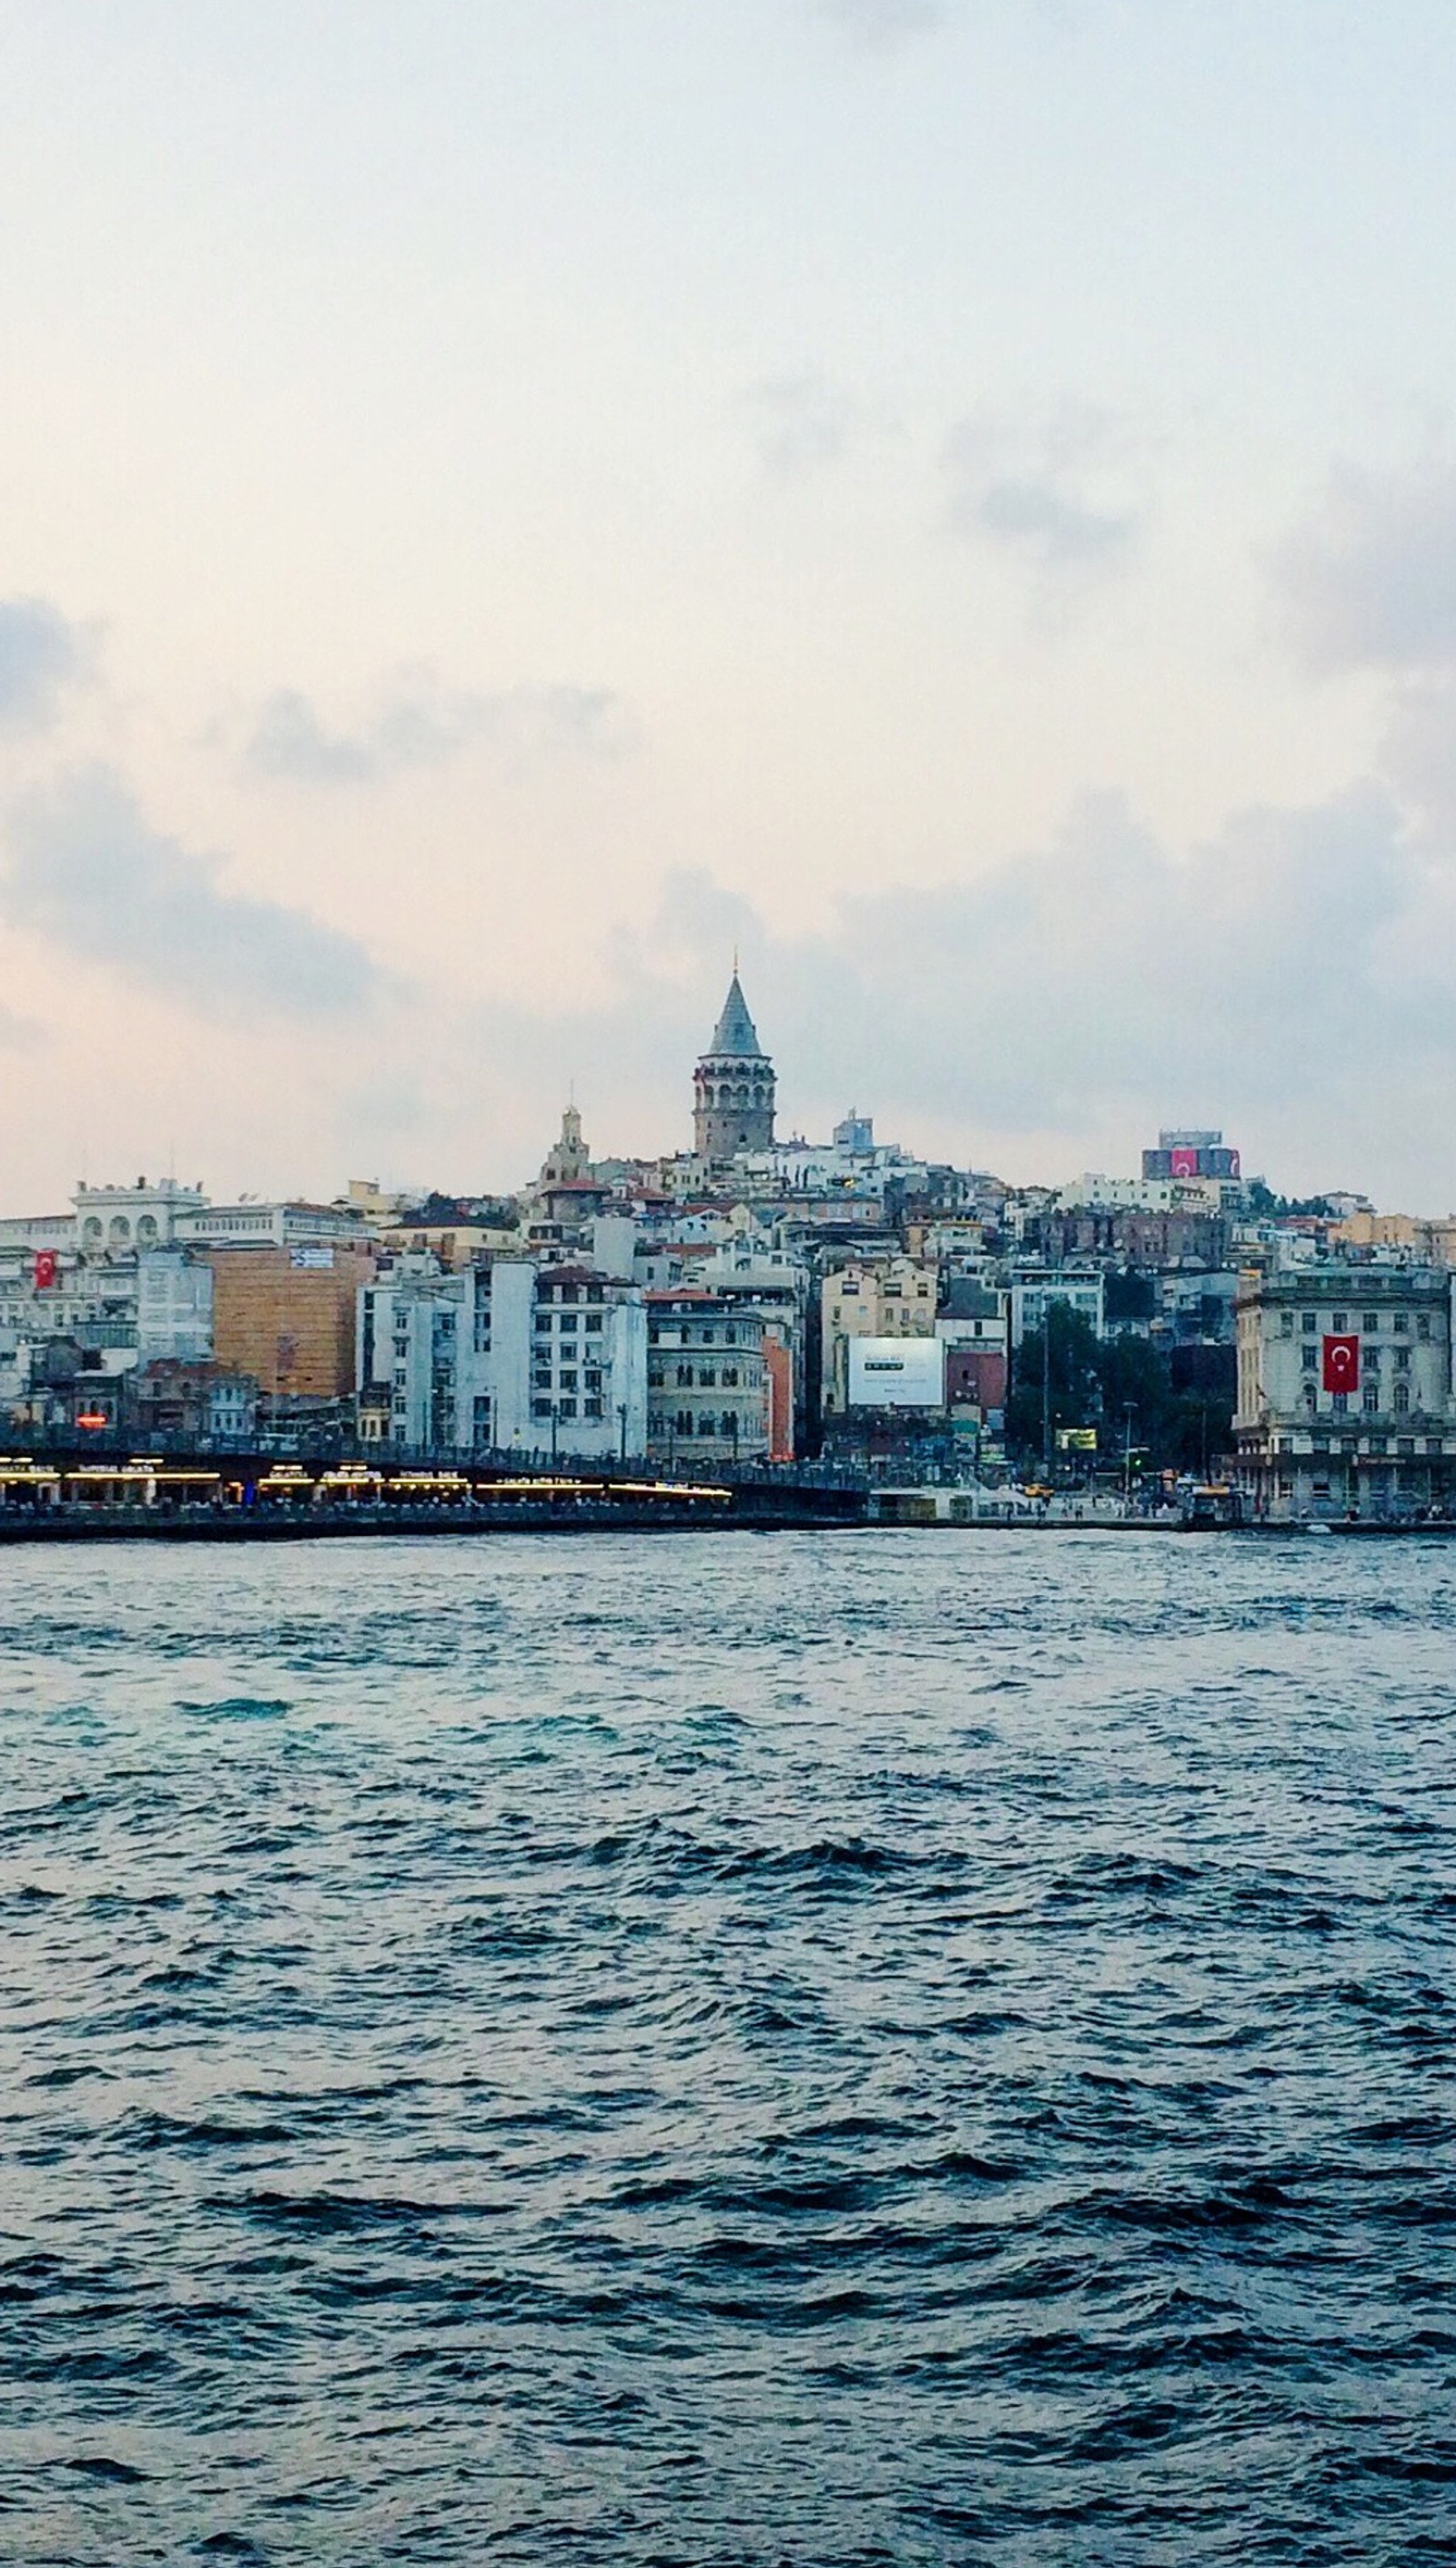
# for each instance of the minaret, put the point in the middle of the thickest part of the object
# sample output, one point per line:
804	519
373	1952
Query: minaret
732	1085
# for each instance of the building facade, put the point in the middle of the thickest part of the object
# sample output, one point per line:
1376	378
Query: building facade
1344	1391
884	1297
709	1384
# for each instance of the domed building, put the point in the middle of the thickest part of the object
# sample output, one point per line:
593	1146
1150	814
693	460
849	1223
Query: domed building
732	1087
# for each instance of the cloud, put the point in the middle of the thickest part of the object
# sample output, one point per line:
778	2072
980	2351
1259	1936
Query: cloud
1042	492
41	654
804	423
1369	581
1096	987
417	723
87	874
885	23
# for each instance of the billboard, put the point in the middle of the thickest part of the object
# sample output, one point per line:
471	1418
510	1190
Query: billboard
897	1373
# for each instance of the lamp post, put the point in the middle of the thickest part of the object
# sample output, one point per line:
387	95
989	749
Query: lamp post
622	1431
1128	1407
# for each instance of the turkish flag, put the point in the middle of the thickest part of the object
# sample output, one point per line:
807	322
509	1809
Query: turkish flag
1183	1163
1341	1363
45	1270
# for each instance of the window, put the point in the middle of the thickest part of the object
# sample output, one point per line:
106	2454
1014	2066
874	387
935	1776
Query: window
708	1377
568	1322
685	1422
1423	1323
542	1381
731	1376
1341	1323
543	1323
729	1426
655	1380
685	1377
1402	1399
1309	1358
566	1409
1309	1321
594	1324
1373	1396
1371	1323
1311	1397
705	1425
1286	1325
540	1409
1402	1359
568	1381
1340	1402
592	1380
592	1409
1401	1324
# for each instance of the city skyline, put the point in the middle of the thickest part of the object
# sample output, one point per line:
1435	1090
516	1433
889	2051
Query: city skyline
539	497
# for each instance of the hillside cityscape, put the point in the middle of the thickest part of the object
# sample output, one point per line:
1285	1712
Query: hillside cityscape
754	1303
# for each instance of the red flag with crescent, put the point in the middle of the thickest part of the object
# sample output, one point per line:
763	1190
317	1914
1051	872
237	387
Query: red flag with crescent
45	1270
1183	1163
1341	1363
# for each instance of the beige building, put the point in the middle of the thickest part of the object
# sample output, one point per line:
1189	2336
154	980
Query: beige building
890	1297
1408	1234
287	1316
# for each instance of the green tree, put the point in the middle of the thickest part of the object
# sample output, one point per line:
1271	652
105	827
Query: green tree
1064	1354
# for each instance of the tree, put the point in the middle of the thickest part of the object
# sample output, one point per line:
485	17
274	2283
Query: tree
1069	1361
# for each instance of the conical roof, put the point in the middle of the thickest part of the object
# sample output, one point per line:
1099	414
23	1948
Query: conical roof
736	1034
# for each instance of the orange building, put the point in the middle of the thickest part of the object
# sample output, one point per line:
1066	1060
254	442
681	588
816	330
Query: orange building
287	1316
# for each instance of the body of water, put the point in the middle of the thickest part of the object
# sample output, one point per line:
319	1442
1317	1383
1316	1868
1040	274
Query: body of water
814	2049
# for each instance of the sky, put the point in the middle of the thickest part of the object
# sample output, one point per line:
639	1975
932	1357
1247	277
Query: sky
503	502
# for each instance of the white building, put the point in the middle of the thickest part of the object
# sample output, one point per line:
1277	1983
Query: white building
510	1357
269	1225
1032	1293
173	1307
1345	1398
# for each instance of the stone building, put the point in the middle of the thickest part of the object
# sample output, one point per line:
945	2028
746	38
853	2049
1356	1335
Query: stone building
1345	1399
732	1088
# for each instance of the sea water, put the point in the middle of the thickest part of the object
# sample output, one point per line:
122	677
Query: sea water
814	2048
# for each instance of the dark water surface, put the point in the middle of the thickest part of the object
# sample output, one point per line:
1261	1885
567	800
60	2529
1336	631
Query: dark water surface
869	2047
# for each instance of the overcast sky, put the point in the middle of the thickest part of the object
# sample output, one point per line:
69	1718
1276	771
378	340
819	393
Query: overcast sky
502	499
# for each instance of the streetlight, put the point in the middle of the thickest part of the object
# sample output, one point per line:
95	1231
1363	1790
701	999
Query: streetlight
1128	1407
622	1430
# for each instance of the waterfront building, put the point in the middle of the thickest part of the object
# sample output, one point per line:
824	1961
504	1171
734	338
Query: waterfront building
710	1383
287	1316
189	1401
1344	1391
589	1365
503	1356
732	1088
